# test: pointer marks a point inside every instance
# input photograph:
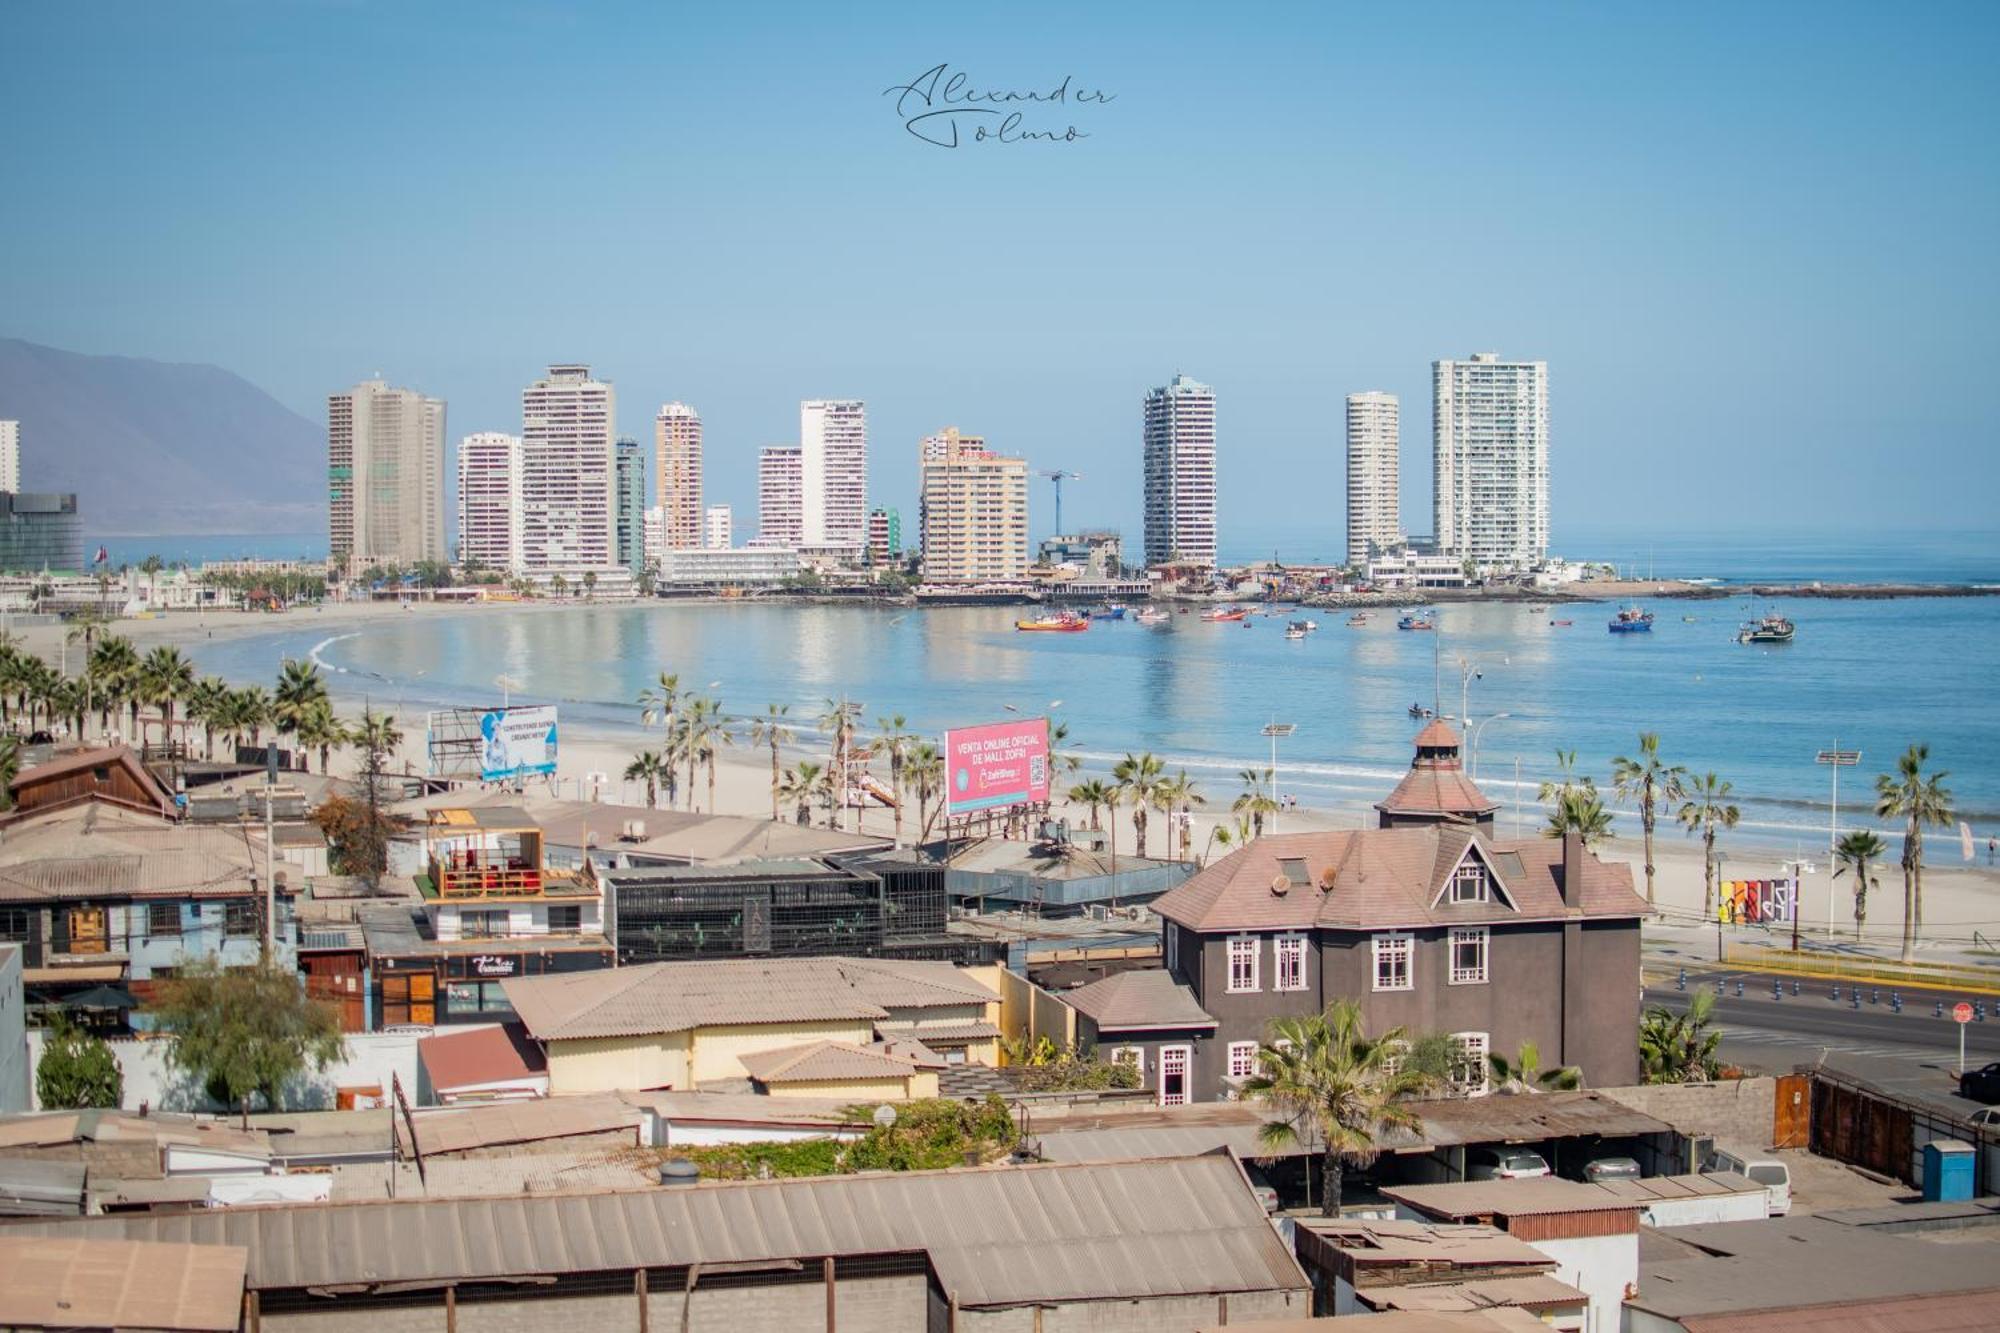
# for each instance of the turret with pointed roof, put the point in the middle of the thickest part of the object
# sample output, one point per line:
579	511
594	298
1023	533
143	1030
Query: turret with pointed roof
1436	789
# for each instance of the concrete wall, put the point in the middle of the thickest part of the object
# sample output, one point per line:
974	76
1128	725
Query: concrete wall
607	1064
1602	1268
372	1057
16	1065
1026	1011
1738	1111
716	1053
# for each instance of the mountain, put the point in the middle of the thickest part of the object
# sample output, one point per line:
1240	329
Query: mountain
156	447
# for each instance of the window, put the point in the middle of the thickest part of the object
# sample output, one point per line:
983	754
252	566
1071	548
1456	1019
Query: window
17	923
1469	1078
1242	1059
1294	870
1468	883
163	919
1468	954
1174	1075
88	931
1131	1055
1243	965
566	918
1292	962
481	925
1392	963
1395	1055
478	997
240	916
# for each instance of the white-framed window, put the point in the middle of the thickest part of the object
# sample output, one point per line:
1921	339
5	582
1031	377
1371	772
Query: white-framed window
1468	954
1393	967
1131	1055
1174	1062
1470	1077
1394	1055
1242	1059
1468	883
1173	934
1243	952
1291	962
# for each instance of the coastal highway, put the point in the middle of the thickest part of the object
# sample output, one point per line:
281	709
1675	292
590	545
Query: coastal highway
1810	1020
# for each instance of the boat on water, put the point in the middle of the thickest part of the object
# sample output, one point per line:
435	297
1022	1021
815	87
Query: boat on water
1108	613
1294	632
1302	626
1418	710
1358	619
1416	623
1065	622
1770	629
1222	613
1562	624
1632	620
1152	617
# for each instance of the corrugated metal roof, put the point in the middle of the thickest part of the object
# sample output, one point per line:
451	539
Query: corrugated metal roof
1530	1117
825	1062
70	1282
1536	1291
996	1236
1398	1242
1507	1198
464	1128
1654	1188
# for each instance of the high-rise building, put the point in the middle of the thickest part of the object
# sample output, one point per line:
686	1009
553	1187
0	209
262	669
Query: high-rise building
1180	474
718	527
40	532
489	500
1490	457
974	511
385	476
780	496
655	528
833	472
568	483
1374	488
629	510
10	456
885	536
677	444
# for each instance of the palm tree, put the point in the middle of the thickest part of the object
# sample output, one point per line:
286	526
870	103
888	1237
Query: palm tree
13	669
1137	775
318	729
1524	1073
1579	810
1650	782
798	786
700	726
1706	808
1679	1048
645	767
113	665
1226	835
1334	1084
659	703
926	769
1856	850
770	730
836	719
166	676
252	711
1095	794
1256	799
204	705
10	768
299	688
1919	799
375	731
714	735
44	691
895	742
1062	761
1179	795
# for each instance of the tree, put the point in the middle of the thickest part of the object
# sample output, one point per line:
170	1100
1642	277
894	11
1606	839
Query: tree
804	785
589	584
712	734
1919	799
1094	793
895	741
77	1070
1524	1073
1580	811
1333	1083
926	769
1706	809
360	829
1179	795
1651	783
114	666
660	703
1136	775
1255	800
317	728
646	767
245	1032
10	768
164	677
299	688
771	730
1062	760
1855	851
1679	1048
250	709
207	704
836	720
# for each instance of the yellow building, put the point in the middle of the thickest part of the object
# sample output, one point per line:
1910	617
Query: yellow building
841	1070
974	511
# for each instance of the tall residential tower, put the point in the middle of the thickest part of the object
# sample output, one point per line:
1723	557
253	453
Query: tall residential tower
1374	492
833	472
677	464
629	505
489	500
1180	474
568	477
385	476
779	495
974	511
1490	457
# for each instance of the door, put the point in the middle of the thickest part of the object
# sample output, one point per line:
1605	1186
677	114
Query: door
1174	1075
89	931
1789	1119
409	998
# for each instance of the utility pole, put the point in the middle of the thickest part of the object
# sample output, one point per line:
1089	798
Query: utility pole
1276	730
1835	759
270	840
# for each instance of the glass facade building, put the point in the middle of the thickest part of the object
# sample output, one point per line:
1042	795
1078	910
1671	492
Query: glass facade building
40	532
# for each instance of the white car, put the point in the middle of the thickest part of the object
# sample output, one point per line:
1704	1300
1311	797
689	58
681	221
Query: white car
1504	1164
1986	1117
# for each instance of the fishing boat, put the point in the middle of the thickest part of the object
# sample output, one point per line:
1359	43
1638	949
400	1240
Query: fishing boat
1358	619
1302	626
1771	629
1065	622
1152	617
1418	710
1562	624
1294	631
1108	613
1414	622
1222	613
1632	620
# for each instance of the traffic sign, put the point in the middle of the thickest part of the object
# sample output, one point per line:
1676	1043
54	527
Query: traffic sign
1961	1012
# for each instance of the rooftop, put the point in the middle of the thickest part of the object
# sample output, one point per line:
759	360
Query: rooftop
1393	1242
488	1055
73	1282
1531	1291
1148	998
826	1062
1530	1118
94	850
397	931
467	1128
1475	1200
671	835
1503	1319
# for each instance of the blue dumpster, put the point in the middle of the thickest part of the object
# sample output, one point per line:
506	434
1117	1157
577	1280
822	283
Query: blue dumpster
1947	1171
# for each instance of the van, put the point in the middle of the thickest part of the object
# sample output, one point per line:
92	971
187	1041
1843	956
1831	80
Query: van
1766	1170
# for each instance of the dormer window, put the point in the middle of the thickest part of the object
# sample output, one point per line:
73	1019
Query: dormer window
1294	870
1469	884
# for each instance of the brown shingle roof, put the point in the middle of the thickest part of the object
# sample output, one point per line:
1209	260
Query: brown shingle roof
1144	999
1437	735
1382	879
1437	789
96	850
825	1062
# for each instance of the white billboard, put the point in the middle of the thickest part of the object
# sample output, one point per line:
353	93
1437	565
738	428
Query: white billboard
517	742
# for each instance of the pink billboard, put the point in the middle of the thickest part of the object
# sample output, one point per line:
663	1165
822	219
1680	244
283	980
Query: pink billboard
1001	763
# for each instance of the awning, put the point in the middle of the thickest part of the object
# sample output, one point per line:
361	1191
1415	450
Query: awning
101	997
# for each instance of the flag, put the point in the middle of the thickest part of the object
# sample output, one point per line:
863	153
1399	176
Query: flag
1965	839
103	556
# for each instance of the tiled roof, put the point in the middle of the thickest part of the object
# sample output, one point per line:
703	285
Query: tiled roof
1380	879
1150	998
825	1062
1437	789
1437	735
485	1055
675	997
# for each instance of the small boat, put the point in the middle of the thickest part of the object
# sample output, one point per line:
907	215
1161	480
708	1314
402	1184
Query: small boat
1222	613
1358	619
1066	622
1687	620
1412	622
1771	629
1302	626
1418	710
1294	632
1108	613
1151	617
1632	621
1562	624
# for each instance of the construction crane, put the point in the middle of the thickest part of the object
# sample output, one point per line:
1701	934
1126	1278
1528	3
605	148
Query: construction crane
1058	476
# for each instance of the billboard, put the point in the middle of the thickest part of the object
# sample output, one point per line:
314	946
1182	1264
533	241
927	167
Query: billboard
517	742
1759	901
999	764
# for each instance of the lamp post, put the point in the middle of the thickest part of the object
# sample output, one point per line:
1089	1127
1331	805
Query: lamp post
1475	740
1835	759
1276	731
1716	861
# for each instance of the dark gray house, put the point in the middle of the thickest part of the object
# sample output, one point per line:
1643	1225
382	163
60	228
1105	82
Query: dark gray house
1431	922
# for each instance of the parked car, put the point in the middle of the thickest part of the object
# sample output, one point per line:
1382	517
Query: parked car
1768	1171
1260	1185
1987	1118
1612	1168
1504	1164
1982	1085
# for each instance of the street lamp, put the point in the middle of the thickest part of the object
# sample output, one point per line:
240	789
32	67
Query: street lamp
1716	861
1276	731
1836	759
1475	740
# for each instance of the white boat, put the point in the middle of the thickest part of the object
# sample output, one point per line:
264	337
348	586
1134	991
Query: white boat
1294	632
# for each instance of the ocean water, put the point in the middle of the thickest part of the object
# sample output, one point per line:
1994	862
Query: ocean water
1873	675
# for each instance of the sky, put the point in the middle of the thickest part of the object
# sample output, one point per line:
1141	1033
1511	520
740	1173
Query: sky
1755	244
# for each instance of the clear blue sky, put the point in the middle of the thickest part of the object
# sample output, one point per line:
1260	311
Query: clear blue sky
1756	244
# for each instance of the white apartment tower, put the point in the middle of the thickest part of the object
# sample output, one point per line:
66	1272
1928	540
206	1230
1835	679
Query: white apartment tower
677	435
1180	474
974	511
1374	489
385	476
1490	457
780	495
833	472
489	500
569	423
10	456
718	523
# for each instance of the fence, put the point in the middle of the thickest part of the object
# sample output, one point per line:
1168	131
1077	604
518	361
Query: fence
1970	979
1863	1126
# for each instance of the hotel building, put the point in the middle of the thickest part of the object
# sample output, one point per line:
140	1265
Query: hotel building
1374	491
677	444
780	495
974	511
489	500
568	484
1490	454
1180	474
885	535
833	472
385	476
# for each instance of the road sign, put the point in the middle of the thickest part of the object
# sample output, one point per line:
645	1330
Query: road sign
1840	758
1961	1012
